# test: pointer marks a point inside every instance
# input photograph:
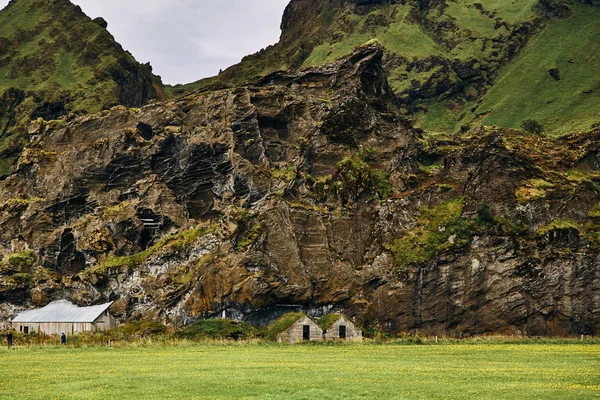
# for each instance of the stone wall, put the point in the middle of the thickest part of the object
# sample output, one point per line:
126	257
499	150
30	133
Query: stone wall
353	333
294	333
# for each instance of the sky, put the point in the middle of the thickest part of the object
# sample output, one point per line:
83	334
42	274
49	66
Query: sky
186	40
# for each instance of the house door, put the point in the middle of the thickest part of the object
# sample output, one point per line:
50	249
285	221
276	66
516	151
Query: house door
342	331
306	332
26	330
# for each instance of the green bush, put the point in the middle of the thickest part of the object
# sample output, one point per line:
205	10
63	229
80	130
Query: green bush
219	329
355	177
485	214
381	184
532	126
139	328
20	261
21	279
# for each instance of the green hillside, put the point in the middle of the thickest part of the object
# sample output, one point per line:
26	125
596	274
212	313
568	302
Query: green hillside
55	60
527	90
452	64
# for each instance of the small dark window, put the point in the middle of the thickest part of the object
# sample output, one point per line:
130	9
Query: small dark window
342	331
306	332
21	328
26	331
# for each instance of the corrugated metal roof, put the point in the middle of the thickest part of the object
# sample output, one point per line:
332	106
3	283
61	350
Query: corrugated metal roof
62	311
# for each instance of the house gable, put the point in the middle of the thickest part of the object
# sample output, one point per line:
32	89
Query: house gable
303	329
343	329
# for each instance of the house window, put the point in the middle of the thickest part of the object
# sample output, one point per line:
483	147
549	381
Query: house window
20	328
342	331
306	332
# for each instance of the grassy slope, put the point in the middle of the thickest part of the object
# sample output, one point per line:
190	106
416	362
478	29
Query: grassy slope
459	371
522	90
34	27
519	90
53	53
407	38
526	89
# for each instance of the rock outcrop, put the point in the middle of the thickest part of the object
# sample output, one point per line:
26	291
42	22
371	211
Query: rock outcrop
305	190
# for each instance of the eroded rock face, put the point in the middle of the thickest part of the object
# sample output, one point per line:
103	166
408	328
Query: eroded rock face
305	190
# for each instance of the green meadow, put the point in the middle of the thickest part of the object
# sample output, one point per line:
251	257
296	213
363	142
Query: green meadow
255	371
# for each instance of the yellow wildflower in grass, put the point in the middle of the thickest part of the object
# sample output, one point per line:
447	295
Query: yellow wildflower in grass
231	371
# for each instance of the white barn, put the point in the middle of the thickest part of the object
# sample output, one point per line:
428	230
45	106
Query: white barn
63	317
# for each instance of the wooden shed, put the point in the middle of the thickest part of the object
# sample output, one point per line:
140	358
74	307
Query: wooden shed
339	327
296	327
63	317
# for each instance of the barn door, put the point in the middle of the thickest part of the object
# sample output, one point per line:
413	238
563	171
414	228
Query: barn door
342	331
306	332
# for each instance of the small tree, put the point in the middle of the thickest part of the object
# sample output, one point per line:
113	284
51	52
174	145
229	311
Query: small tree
532	126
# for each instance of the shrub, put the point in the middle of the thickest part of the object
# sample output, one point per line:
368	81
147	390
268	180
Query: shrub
355	177
20	261
532	126
139	328
219	329
21	279
485	214
250	231
381	184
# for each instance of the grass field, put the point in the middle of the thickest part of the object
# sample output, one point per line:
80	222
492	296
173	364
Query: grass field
237	371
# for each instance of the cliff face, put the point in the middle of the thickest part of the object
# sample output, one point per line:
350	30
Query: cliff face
305	191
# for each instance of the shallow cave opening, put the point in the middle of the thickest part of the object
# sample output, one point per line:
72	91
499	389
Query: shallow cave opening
50	111
69	260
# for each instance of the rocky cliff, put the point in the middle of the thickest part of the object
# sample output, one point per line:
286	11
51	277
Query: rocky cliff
305	190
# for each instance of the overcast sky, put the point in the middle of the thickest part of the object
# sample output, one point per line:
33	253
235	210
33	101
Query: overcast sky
186	40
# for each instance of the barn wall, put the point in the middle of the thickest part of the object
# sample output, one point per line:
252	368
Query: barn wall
105	322
353	333
294	333
53	328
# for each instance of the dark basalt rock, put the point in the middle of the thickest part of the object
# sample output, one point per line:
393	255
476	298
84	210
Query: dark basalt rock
69	260
554	73
559	9
101	21
9	102
50	110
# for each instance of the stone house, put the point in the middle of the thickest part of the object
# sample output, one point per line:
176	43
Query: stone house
63	317
339	327
296	327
